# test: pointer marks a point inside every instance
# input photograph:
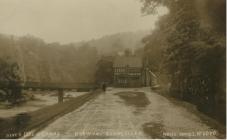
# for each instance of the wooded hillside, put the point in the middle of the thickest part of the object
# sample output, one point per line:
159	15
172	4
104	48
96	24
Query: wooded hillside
54	62
188	49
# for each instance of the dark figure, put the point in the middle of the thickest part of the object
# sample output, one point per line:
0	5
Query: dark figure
15	94
104	87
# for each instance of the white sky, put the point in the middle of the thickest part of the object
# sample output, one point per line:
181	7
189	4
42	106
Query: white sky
72	20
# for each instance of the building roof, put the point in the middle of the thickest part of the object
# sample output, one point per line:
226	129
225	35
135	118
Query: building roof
130	61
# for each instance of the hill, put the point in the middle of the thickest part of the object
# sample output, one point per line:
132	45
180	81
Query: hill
76	62
112	44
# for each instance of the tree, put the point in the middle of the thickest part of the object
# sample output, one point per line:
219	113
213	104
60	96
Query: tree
194	39
104	72
10	81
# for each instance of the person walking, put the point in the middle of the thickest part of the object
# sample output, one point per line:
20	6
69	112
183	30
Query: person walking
104	87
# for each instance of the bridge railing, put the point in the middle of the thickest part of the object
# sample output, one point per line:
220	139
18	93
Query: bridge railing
46	85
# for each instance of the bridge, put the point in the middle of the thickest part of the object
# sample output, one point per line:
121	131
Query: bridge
60	87
57	86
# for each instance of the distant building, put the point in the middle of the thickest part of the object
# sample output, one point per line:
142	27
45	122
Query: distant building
128	71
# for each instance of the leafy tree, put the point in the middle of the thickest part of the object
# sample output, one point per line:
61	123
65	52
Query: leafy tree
193	46
9	80
104	72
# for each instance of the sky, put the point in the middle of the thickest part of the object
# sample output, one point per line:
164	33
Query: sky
68	21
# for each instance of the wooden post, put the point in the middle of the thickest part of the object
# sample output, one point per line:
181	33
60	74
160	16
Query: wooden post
60	95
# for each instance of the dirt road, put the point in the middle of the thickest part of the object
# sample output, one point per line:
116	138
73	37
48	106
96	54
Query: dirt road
129	113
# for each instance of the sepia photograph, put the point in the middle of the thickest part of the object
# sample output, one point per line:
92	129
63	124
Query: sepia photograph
112	69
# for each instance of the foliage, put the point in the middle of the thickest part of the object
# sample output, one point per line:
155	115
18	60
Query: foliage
71	63
190	46
49	62
104	72
9	81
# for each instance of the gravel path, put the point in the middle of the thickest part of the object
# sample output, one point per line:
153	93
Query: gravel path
114	115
